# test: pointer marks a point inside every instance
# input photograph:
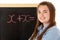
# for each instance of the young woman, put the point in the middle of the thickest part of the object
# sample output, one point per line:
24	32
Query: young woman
46	26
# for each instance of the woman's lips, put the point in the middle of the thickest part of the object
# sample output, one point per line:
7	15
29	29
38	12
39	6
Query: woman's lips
42	18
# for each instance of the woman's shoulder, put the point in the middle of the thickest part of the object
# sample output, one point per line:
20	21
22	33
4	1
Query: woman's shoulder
52	33
54	29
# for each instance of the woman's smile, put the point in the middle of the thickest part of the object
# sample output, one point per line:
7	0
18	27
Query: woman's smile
42	18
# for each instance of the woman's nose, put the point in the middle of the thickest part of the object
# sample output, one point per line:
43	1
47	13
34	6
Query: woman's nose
42	14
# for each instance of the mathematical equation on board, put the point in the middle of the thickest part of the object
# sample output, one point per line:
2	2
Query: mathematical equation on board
20	18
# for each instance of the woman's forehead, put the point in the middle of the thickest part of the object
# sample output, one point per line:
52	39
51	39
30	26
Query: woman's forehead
43	7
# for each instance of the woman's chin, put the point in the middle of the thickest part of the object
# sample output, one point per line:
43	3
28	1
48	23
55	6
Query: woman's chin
42	21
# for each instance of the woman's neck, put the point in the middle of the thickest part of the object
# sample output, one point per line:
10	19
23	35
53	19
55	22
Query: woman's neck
45	23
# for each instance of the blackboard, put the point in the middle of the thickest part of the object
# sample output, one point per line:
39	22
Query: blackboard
17	23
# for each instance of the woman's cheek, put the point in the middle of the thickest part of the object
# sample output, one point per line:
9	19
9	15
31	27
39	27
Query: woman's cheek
38	17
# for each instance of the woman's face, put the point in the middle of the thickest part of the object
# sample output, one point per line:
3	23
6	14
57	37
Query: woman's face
43	14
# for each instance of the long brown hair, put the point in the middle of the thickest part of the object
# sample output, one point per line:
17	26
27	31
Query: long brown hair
52	20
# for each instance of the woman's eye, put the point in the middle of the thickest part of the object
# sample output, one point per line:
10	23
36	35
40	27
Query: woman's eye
45	12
